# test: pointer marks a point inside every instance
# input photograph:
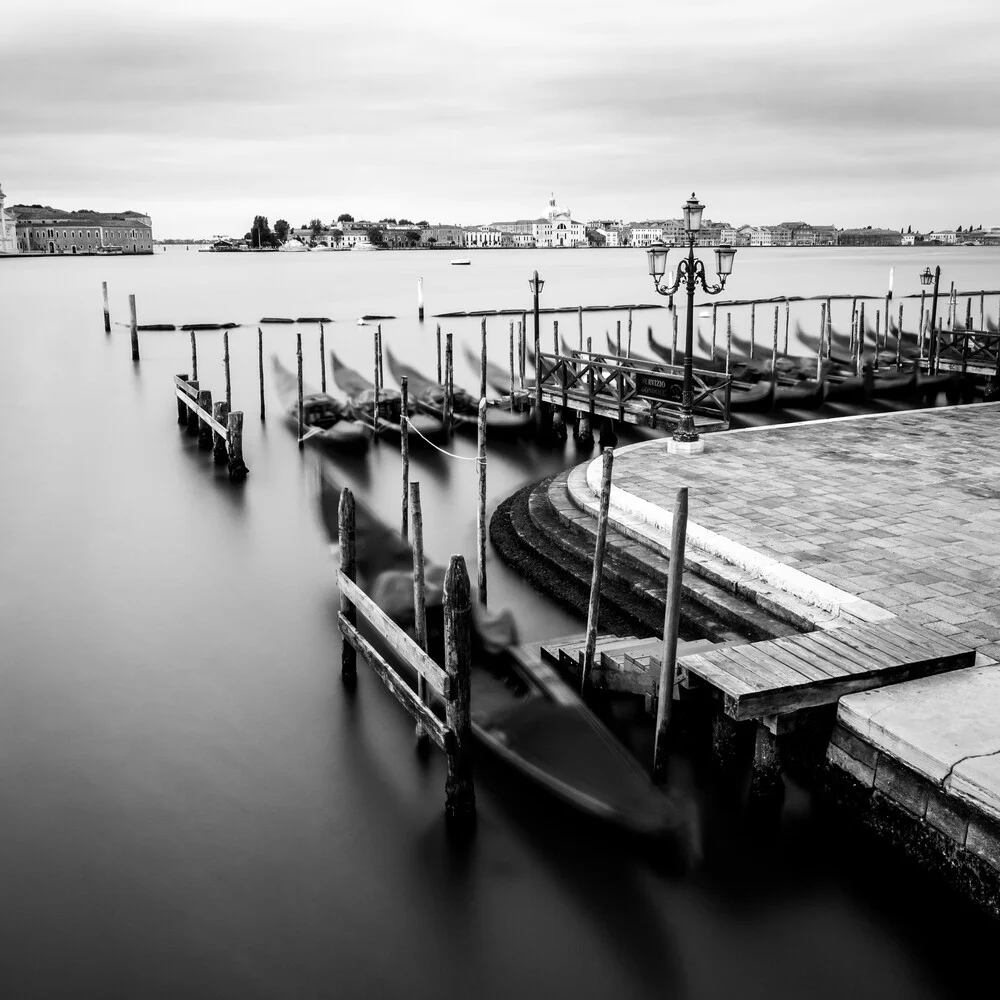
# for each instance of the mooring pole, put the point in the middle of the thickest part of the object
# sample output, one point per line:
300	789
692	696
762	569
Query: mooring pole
234	445
774	347
595	580
419	595
579	316
225	367
628	350
753	326
420	299
482	360
822	332
673	343
618	338
788	313
729	338
349	567
134	327
260	368
899	338
511	366
378	356
481	515
194	357
376	402
107	310
301	409
671	630
439	352
220	414
404	450
322	358
204	427
521	352
460	793
715	310
449	378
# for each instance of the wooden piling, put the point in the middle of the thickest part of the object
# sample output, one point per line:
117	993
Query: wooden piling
628	349
877	320
107	310
829	327
715	310
260	368
538	376
225	367
482	360
404	451
182	410
378	356
377	391
234	445
579	317
419	595
460	794
194	356
968	313
521	354
481	525
301	408
133	327
673	342
822	334
349	567
753	326
204	427
729	338
618	338
671	631
590	383
220	413
512	366
193	423
449	357
861	337
774	348
788	312
899	338
420	299
322	358
439	352
593	606
555	337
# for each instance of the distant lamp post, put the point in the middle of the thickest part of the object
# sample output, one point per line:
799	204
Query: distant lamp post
536	284
927	278
690	271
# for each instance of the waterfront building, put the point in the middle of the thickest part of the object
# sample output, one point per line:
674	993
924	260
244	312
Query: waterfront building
824	236
481	237
557	229
869	238
42	229
755	236
516	239
448	236
941	236
610	237
355	235
8	228
911	239
644	234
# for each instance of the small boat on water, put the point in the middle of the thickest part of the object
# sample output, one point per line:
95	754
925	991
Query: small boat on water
327	422
523	713
360	393
293	246
461	261
429	398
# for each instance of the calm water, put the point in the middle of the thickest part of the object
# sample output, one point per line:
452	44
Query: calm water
194	807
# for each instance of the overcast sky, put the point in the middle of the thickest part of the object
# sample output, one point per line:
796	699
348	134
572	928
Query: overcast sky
203	114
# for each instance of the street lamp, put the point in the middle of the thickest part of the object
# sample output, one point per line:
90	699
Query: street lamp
926	278
692	272
536	284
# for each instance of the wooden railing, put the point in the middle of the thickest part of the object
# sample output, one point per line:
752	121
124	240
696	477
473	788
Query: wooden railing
978	350
215	426
621	381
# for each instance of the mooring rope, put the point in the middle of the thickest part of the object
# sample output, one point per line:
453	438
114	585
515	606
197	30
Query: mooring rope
450	454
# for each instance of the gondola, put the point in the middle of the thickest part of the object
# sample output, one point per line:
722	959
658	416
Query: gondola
523	714
327	422
361	394
428	397
497	377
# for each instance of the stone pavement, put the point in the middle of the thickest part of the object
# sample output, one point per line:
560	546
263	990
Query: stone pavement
856	518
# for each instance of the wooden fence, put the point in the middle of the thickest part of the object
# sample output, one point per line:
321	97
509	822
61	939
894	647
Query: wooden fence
215	426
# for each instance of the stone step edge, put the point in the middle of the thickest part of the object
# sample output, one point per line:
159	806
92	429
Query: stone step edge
730	607
799	599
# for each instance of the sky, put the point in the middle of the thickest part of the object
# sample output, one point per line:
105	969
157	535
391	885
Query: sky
204	114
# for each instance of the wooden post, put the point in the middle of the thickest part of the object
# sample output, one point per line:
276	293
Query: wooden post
673	343
376	402
460	793
482	360
628	348
774	348
511	366
349	567
322	358
877	320
671	631
579	318
220	413
194	357
538	376
765	777
301	409
134	327
378	356
861	337
234	445
419	595
260	367
829	327
225	367
729	338
182	410
204	427
753	326
595	581
618	338
715	310
899	337
481	526
521	352
420	299
193	423
439	352
404	450
920	326
555	337
788	311
968	313
449	402
822	334
107	311
854	315
982	311
590	382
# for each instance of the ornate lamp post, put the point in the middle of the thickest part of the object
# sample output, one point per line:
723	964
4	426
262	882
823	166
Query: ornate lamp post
690	271
536	284
926	278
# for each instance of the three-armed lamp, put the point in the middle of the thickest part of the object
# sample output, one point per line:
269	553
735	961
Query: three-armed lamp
691	271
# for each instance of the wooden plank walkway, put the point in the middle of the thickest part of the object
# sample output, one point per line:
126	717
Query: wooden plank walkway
776	677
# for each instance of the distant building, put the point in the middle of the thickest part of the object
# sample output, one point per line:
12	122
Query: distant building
824	236
942	236
481	237
8	228
911	239
869	238
644	234
43	229
610	237
557	229
443	236
755	236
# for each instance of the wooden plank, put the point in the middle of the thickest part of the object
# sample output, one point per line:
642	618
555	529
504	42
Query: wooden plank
773	674
708	671
839	660
848	652
758	678
887	656
901	649
205	416
395	638
183	386
402	691
766	653
923	638
792	652
846	667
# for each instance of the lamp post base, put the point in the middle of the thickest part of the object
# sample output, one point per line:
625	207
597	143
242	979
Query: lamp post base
675	447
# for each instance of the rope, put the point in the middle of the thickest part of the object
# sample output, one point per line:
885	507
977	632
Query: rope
450	454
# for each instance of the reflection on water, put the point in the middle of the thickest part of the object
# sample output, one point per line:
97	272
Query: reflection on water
195	807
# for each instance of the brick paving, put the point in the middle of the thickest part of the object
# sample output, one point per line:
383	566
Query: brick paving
900	509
